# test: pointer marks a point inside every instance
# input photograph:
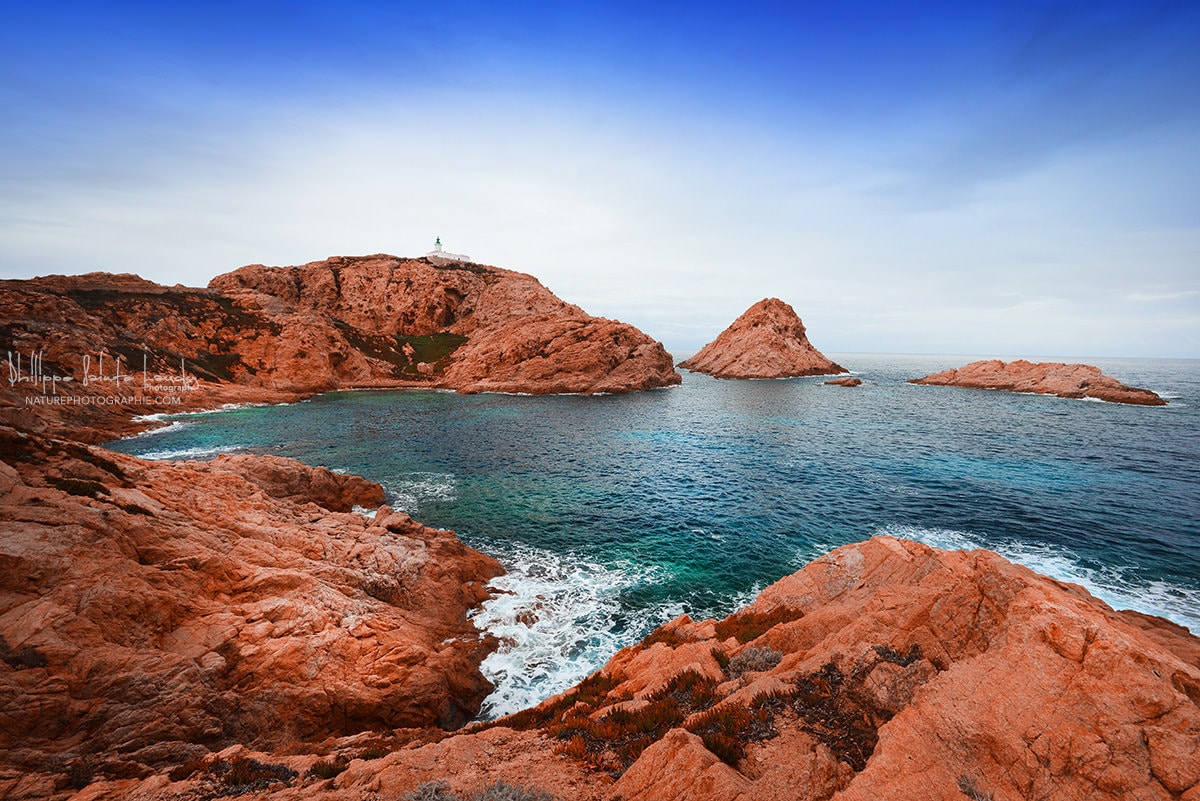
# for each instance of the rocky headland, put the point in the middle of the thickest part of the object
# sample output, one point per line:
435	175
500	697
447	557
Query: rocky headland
268	334
767	341
243	627
1043	378
886	669
151	612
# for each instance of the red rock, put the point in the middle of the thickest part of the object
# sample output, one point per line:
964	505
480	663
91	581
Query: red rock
906	672
848	381
299	483
767	341
916	673
271	334
516	336
1043	378
152	611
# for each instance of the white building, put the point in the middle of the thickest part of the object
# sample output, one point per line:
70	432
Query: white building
439	256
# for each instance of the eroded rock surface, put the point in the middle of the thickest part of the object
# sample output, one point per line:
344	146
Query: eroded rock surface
767	341
270	334
1043	378
153	611
886	669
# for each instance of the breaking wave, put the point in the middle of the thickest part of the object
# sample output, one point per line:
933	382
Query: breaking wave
1118	587
558	619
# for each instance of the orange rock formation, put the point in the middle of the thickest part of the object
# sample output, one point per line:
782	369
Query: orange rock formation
1043	378
152	611
275	333
767	341
886	669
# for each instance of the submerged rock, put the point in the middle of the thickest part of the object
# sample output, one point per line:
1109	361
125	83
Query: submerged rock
1043	378
767	341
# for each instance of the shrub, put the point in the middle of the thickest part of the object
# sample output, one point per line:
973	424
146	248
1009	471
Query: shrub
967	786
662	634
754	660
27	657
497	791
503	791
749	625
74	486
245	775
722	659
326	769
726	729
431	791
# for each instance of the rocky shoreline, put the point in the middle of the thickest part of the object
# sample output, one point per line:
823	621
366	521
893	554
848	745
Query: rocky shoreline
193	630
88	352
154	611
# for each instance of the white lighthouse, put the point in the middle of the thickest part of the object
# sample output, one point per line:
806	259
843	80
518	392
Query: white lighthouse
439	256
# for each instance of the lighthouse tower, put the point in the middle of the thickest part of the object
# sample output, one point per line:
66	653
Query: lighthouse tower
439	256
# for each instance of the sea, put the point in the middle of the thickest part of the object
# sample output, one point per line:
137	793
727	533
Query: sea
616	513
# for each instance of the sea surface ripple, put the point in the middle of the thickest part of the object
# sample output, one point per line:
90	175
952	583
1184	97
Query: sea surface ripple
614	514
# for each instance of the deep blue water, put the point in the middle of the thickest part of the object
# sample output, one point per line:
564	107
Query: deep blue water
616	513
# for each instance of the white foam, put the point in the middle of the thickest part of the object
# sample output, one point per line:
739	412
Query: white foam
408	492
187	453
558	619
173	425
1113	584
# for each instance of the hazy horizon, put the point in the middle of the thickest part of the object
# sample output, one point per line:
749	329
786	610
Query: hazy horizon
1017	178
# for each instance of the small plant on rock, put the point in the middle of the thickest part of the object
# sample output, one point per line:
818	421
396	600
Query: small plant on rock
327	769
754	660
749	625
967	786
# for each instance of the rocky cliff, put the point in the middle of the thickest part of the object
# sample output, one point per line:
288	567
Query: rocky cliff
767	341
886	669
152	612
1043	378
270	333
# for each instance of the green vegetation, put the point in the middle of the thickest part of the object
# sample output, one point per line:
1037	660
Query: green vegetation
725	730
434	349
662	634
431	349
828	704
749	625
75	486
753	660
967	786
327	769
247	775
497	791
27	657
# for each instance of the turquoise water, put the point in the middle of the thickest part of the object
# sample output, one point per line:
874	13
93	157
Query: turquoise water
616	513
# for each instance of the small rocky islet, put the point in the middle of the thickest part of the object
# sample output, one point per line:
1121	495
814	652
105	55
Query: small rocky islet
1043	378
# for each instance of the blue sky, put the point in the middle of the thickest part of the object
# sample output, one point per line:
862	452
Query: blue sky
1016	178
